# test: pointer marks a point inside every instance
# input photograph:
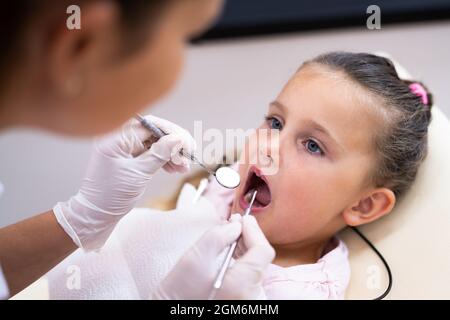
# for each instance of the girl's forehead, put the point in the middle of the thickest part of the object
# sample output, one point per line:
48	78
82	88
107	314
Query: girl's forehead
322	91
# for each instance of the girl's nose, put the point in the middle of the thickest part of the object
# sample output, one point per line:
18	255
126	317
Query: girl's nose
269	152
265	156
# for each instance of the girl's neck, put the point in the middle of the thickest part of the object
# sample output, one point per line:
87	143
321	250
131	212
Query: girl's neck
301	253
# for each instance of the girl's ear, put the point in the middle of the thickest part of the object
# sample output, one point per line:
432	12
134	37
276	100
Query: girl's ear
370	207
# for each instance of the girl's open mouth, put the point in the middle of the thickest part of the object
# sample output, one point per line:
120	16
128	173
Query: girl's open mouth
256	181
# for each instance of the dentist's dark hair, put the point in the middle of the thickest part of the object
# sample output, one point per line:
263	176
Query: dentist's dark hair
402	141
18	18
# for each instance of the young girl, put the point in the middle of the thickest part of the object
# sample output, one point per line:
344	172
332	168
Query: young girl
352	136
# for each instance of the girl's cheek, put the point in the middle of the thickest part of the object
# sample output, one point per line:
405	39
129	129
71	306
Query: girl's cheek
298	192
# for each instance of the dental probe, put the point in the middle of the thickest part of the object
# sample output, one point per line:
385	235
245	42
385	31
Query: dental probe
231	250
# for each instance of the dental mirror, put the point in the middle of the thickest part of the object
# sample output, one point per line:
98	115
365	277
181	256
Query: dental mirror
225	176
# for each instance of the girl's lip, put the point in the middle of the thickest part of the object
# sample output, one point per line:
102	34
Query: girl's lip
258	172
242	202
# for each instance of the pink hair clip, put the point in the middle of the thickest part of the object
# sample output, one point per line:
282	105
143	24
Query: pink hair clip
419	91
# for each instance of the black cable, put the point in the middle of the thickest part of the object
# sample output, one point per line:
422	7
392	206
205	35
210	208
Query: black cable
388	289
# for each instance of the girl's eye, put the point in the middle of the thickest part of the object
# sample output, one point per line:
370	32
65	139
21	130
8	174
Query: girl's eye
313	147
274	123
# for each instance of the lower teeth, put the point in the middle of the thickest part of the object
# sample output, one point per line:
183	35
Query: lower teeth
248	196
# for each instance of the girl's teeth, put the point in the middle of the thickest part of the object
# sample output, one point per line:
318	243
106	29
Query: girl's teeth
248	196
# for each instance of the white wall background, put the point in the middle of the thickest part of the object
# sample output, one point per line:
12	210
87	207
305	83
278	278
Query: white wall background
226	84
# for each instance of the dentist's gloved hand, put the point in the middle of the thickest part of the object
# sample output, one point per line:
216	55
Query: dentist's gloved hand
120	167
194	274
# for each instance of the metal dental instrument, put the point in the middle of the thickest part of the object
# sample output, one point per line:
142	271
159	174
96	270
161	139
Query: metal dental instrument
231	250
159	133
225	176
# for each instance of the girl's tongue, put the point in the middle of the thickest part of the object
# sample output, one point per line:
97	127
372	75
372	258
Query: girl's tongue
263	195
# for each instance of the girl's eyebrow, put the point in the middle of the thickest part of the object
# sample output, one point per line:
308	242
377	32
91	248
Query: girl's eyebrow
278	105
310	123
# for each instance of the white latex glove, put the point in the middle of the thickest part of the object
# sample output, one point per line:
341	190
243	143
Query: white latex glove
118	172
194	274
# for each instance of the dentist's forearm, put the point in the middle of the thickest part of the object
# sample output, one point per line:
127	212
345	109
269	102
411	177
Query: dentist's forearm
30	248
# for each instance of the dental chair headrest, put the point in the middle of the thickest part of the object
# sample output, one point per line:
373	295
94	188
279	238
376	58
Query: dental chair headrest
415	237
